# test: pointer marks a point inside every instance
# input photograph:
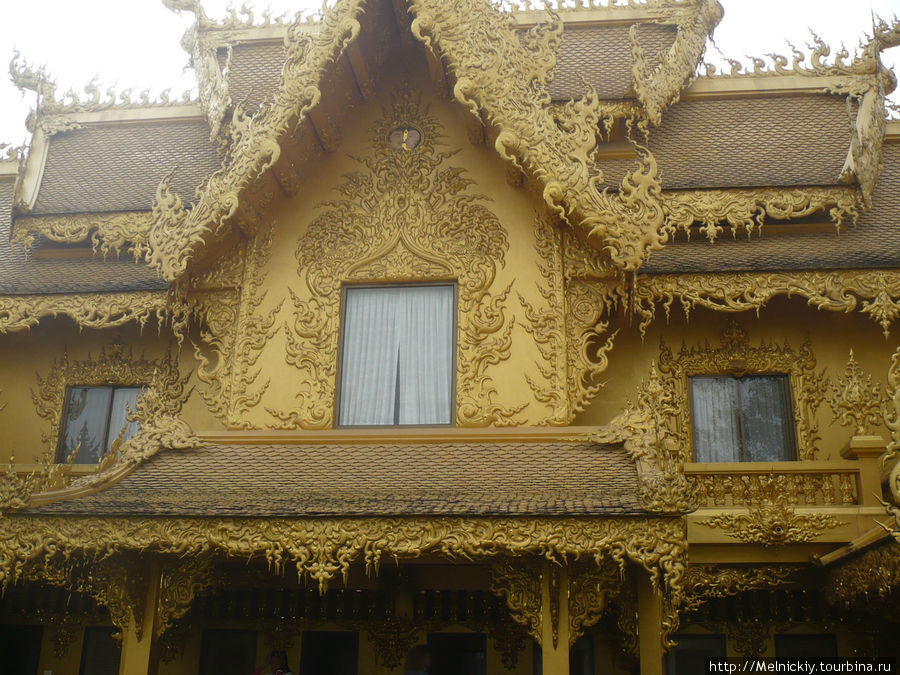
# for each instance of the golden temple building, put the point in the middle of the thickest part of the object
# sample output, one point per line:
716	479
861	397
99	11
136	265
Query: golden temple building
510	340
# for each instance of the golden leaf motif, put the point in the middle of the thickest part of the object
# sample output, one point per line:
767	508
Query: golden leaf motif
108	232
855	400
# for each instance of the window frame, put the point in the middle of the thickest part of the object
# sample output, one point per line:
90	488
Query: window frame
454	345
59	454
793	450
736	356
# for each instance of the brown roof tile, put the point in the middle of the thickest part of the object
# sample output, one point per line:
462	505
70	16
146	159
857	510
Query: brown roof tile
873	242
540	478
118	167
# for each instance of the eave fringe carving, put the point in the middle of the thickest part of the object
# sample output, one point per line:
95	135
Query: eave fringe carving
658	82
872	575
108	232
876	292
408	217
177	232
95	310
892	415
705	582
320	549
746	209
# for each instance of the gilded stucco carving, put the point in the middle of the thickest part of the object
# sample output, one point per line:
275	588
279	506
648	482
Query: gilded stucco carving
659	79
705	582
856	400
735	356
116	364
108	232
322	548
518	582
872	575
829	487
892	413
772	521
501	76
568	331
233	334
180	581
177	232
16	489
392	640
101	310
875	292
590	588
408	217
746	209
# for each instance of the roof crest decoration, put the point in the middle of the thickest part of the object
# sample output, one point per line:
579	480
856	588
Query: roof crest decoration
93	99
243	17
177	232
562	6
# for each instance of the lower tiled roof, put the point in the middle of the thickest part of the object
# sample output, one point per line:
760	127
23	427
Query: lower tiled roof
402	479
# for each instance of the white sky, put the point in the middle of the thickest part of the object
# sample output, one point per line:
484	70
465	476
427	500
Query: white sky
136	43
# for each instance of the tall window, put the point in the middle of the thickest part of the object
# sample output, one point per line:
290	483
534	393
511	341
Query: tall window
93	419
397	355
742	419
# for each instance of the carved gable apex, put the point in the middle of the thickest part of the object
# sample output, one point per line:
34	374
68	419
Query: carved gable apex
492	65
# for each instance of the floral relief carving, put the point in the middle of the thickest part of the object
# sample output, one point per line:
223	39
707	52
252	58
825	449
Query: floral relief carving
705	582
736	356
407	217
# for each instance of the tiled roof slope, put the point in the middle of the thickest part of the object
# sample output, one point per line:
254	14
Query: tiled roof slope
600	56
537	478
254	72
117	167
19	275
873	242
747	142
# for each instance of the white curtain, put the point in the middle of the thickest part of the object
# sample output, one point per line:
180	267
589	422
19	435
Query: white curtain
715	405
121	397
397	355
85	424
768	422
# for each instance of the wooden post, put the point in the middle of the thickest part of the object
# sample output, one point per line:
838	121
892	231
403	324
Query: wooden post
554	619
140	656
650	613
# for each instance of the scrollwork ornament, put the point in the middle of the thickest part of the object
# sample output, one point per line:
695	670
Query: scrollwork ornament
518	582
590	588
108	232
705	582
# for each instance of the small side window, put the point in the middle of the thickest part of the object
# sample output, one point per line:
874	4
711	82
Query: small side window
93	419
742	419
